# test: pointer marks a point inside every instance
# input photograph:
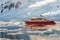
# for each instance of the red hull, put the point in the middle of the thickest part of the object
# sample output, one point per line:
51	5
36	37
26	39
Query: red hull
40	23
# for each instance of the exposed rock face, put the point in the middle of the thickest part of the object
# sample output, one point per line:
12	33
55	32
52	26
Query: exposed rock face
9	6
17	4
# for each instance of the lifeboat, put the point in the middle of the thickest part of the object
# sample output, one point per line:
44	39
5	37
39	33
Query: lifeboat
39	23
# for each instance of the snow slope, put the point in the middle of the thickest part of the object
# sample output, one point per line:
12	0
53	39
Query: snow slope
23	12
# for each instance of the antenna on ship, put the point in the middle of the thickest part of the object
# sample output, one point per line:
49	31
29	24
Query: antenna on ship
42	16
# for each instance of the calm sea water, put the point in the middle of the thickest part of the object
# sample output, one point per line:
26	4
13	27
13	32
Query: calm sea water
25	35
5	34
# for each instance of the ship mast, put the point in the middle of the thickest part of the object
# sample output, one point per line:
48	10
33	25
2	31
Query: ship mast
43	17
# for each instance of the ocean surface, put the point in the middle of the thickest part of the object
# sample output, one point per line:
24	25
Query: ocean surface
21	32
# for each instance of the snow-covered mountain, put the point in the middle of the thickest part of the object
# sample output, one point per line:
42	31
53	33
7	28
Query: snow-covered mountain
55	15
28	9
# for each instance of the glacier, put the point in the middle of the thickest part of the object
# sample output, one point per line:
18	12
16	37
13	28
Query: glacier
23	12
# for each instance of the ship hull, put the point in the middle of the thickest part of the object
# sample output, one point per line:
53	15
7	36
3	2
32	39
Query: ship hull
39	25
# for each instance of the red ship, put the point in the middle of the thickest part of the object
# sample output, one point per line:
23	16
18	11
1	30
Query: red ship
39	23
